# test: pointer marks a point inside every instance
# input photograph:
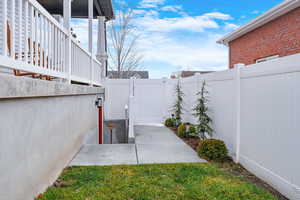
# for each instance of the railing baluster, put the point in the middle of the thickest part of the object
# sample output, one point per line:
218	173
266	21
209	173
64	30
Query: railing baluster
59	51
48	44
73	58
20	30
44	42
77	55
31	33
74	68
26	31
4	28
56	49
41	39
51	46
64	53
13	9
76	60
79	61
36	37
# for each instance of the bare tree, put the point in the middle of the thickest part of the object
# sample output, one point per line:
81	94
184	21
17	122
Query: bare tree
123	37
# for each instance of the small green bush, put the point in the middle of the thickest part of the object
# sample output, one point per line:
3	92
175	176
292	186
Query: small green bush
212	149
181	131
192	131
170	122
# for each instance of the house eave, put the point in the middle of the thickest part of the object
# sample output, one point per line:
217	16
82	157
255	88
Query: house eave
263	19
80	8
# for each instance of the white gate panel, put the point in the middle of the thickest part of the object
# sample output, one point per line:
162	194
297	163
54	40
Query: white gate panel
116	97
150	100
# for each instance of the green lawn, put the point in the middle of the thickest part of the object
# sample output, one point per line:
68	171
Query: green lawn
155	182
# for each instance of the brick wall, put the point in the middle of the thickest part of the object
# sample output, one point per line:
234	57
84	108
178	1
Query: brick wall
278	37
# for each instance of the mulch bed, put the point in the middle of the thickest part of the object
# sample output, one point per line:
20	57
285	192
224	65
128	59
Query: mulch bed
193	142
233	168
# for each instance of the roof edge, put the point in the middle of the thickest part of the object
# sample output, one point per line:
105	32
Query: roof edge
261	20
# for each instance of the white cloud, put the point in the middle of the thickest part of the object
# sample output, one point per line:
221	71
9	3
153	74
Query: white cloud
255	12
197	50
193	53
185	23
174	8
137	12
151	3
230	26
217	15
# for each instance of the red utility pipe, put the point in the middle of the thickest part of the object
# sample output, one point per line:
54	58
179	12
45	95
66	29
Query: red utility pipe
100	125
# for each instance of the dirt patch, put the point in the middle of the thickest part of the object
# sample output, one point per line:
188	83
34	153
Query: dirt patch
192	142
235	169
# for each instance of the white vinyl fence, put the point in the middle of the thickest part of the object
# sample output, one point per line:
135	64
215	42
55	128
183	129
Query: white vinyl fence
116	98
255	110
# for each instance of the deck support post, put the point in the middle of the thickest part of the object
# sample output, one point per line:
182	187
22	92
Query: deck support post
67	16
91	16
101	44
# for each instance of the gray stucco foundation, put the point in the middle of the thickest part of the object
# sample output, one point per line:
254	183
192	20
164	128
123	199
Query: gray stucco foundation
42	126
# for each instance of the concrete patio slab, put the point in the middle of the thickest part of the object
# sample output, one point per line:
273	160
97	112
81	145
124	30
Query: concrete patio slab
155	135
166	153
157	144
154	144
106	154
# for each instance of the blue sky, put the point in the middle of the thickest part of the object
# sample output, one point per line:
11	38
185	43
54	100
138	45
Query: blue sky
181	34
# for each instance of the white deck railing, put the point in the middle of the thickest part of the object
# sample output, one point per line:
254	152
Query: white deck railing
31	40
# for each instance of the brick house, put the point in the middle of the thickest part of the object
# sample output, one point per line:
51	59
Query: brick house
274	34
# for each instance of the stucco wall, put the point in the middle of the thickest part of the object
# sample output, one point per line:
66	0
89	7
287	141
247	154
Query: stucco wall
278	37
42	126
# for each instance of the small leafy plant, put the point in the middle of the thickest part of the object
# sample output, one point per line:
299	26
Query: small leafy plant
212	149
181	131
170	122
201	109
192	132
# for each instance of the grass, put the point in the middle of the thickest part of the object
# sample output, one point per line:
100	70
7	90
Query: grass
157	182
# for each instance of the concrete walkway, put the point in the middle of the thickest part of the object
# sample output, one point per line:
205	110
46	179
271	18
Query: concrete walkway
153	144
